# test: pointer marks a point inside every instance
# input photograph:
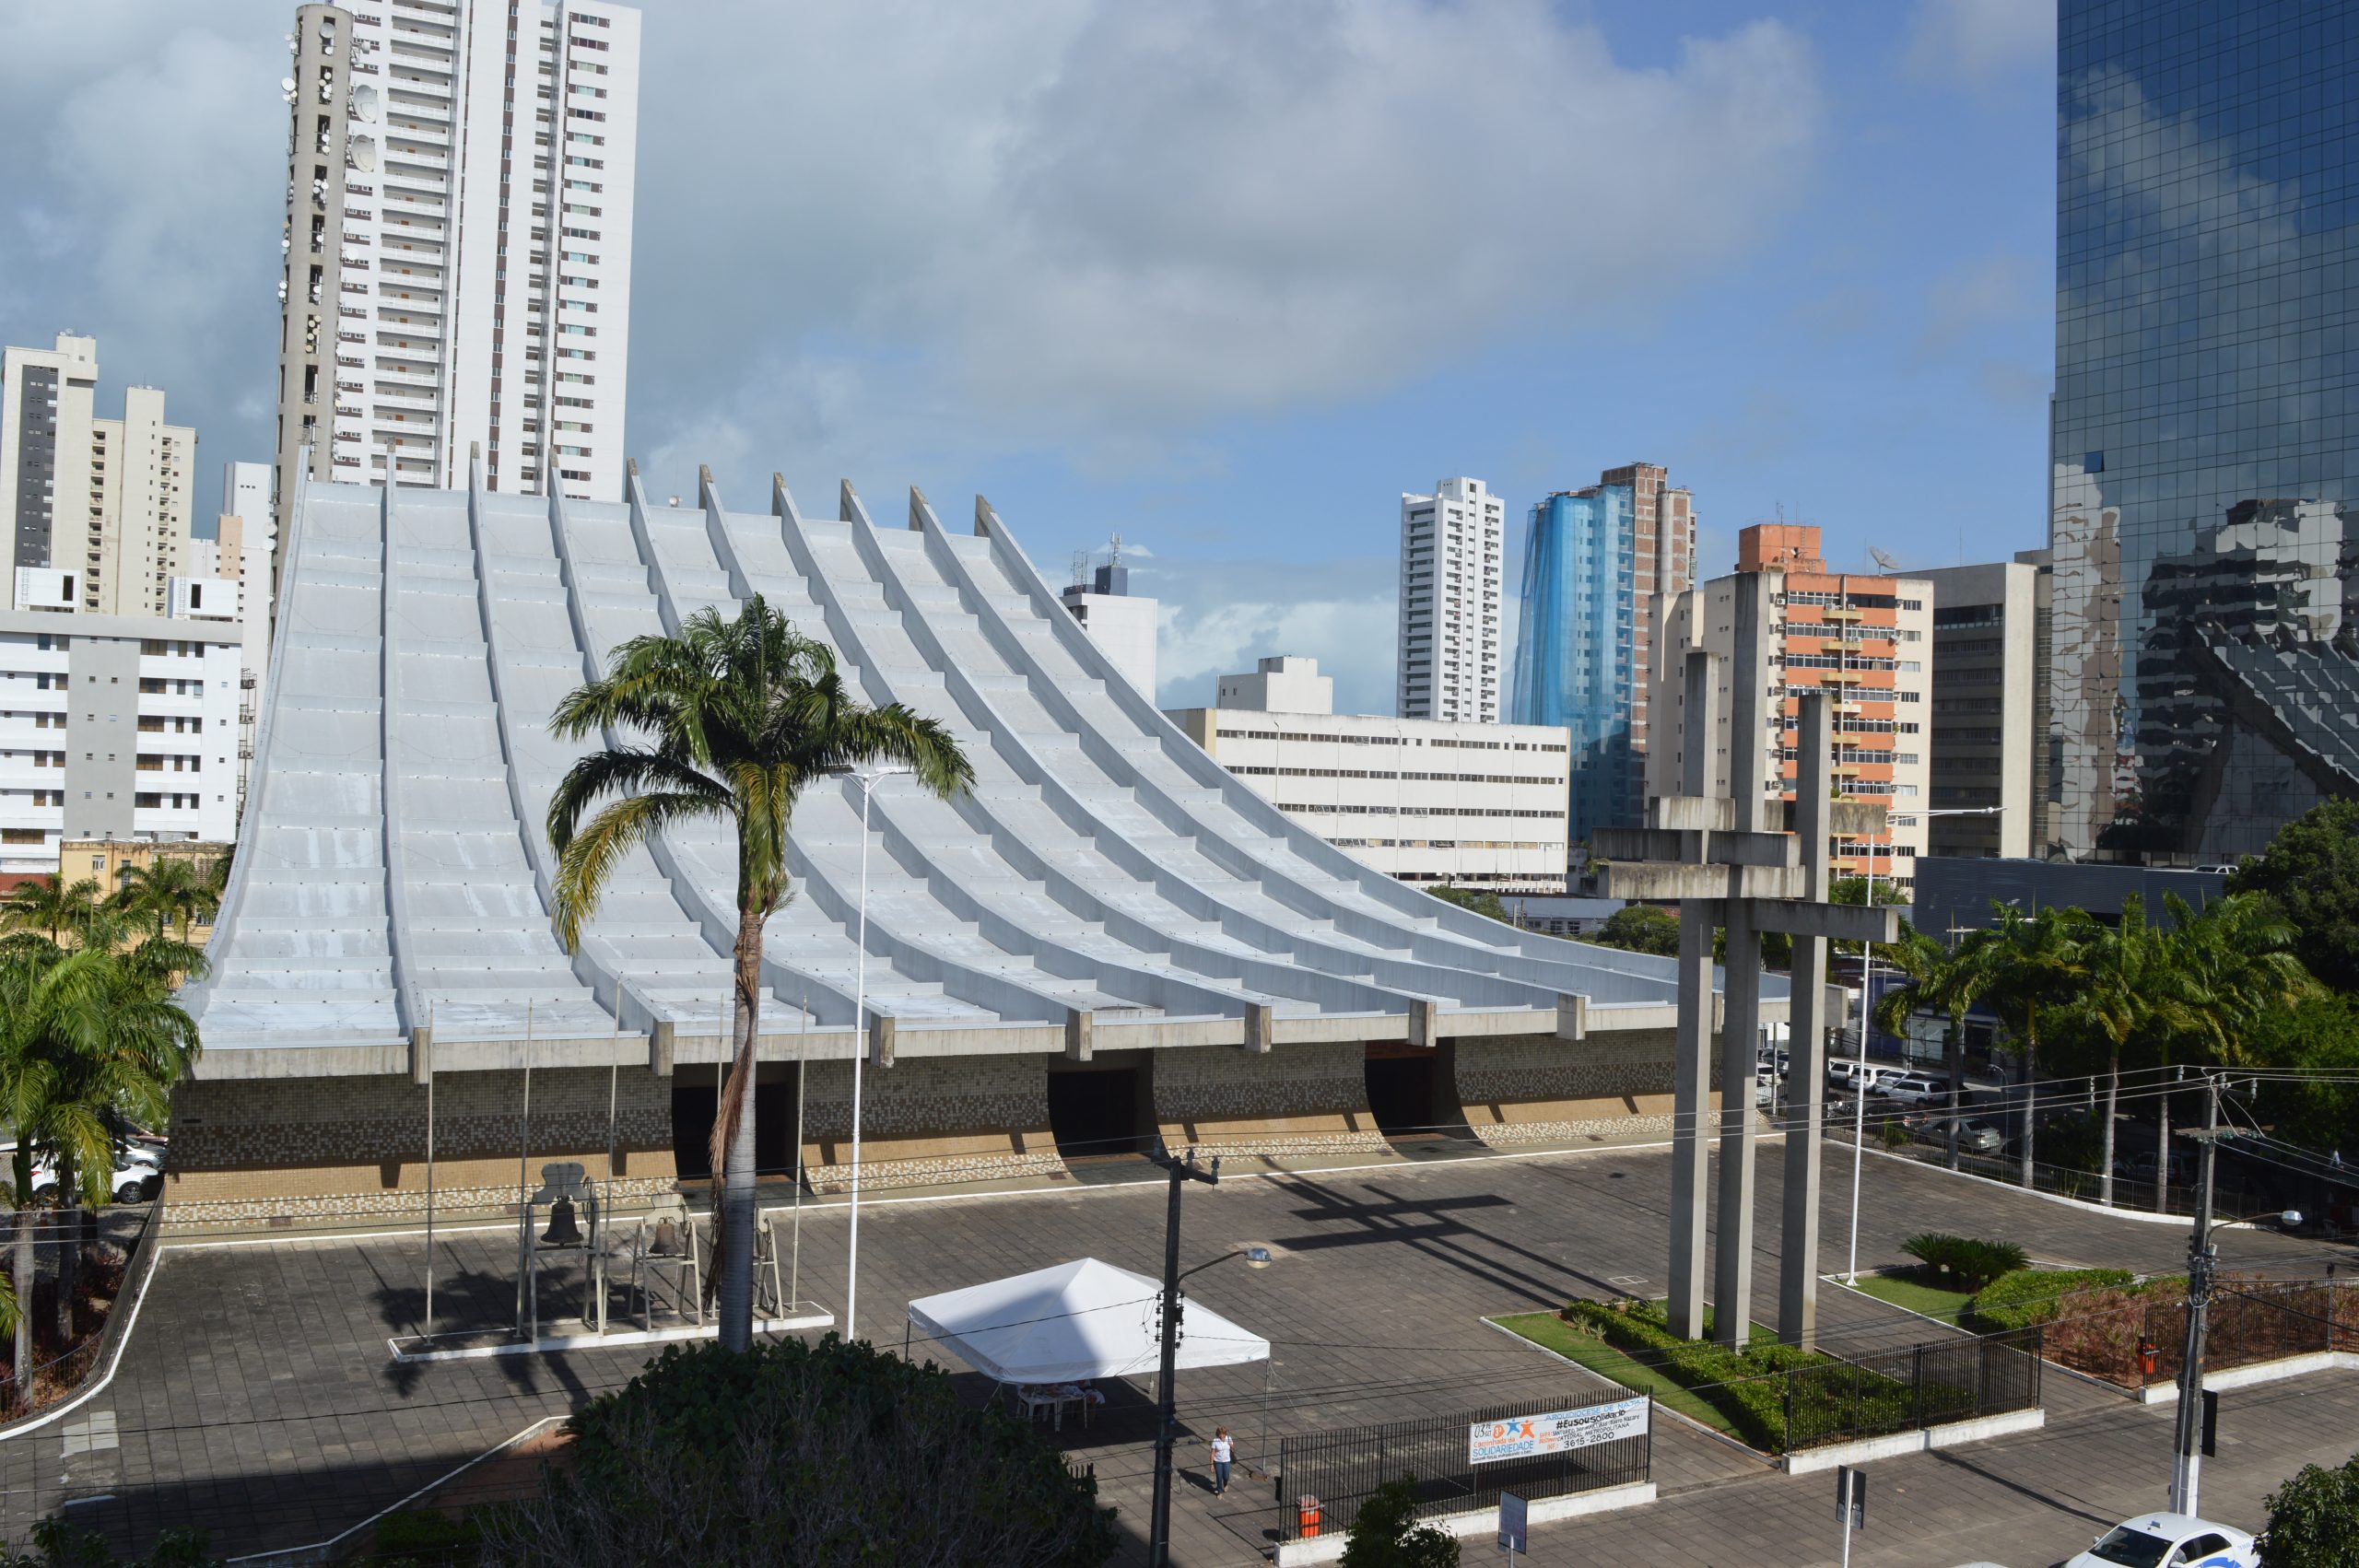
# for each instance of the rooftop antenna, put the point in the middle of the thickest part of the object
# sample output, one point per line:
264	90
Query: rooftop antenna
1114	557
1883	559
1081	568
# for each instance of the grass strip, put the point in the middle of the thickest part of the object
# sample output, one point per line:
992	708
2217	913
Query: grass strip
1903	1288
1551	1332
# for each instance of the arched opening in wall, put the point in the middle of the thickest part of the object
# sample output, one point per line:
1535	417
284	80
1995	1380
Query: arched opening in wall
1102	1111
696	1101
1412	1091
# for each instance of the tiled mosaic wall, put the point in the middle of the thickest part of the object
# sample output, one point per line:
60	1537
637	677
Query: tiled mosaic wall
1222	1091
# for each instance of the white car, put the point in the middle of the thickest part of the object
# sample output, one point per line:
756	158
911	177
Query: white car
2170	1541
1852	1074
138	1173
1915	1088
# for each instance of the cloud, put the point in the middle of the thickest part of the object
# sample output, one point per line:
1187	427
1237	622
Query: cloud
912	234
1991	291
1219	616
1980	38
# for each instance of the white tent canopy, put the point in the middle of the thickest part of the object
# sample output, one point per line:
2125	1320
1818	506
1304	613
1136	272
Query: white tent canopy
1084	1319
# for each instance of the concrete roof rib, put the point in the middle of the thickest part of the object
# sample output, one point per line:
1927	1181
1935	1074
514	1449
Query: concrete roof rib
1104	880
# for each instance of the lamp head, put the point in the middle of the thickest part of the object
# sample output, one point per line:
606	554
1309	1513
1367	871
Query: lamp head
1258	1258
2290	1219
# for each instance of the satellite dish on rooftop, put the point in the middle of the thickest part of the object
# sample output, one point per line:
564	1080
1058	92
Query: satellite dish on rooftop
1883	559
285	84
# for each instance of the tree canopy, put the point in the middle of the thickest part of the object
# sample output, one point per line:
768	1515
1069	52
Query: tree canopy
2314	1519
2310	872
791	1454
1640	928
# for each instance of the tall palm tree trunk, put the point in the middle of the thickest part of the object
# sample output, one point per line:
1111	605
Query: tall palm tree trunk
21	1273
733	1136
1953	1063
2031	1106
66	1243
2112	1102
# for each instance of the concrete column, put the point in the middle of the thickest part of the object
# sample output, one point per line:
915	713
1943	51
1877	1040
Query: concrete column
1690	1148
1692	1068
1806	1078
1733	1246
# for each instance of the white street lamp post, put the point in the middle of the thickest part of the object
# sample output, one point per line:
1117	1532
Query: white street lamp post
868	777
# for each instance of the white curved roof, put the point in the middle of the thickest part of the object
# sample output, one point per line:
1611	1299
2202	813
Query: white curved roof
394	872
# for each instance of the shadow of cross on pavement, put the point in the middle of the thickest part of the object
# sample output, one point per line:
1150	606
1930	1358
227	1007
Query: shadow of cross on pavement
1431	1226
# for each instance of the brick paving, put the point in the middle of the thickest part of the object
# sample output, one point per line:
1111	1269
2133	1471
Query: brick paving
257	1398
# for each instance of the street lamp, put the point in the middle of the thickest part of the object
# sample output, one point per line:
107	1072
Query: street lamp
1867	1016
867	776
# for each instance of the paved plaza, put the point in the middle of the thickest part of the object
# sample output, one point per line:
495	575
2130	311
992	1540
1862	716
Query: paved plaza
257	1397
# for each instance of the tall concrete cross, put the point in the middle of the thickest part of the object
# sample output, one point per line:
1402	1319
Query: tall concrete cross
1713	856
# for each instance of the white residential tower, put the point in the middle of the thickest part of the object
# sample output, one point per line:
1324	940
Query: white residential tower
1452	546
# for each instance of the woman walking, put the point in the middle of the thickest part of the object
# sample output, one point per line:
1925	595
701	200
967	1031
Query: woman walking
1224	1451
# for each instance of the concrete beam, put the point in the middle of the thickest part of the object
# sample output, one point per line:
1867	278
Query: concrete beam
421	1053
1859	819
1657	881
1424	1021
1733	1245
1813	1003
1572	1017
1832	922
1691	814
1618	844
881	1032
1258	1033
1690	1150
1079	1046
662	1043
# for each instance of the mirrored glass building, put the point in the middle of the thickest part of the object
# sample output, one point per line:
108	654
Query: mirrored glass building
2203	444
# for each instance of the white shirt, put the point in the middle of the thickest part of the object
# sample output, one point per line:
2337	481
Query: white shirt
1223	1448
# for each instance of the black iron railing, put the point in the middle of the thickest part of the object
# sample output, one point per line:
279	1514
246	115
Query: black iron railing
1343	1469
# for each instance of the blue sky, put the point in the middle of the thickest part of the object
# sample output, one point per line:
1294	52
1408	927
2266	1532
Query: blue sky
1222	275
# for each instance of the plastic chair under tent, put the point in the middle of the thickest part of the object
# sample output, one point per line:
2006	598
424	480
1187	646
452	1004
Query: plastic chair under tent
667	1247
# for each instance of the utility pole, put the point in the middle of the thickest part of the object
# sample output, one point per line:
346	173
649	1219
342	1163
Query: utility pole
2201	1255
1167	1414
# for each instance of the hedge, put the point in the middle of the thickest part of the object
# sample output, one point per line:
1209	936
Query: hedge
2029	1296
1745	1385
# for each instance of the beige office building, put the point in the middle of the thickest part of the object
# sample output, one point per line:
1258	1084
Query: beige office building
1990	707
1467	803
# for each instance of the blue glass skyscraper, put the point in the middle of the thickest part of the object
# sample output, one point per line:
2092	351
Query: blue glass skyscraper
2204	447
1577	659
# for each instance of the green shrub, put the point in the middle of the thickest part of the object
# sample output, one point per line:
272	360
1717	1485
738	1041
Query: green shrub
2026	1296
1972	1263
424	1537
1740	1385
1385	1532
2314	1519
790	1453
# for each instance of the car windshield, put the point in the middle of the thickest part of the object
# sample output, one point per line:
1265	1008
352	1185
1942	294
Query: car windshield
2135	1548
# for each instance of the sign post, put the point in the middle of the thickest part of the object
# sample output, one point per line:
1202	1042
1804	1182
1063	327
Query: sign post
1851	1505
1514	1525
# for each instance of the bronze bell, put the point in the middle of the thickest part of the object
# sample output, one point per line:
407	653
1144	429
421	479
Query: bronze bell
562	1231
667	1239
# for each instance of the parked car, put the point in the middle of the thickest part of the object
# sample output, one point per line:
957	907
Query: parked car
2170	1541
1850	1074
139	1173
1915	1088
1980	1138
2141	1168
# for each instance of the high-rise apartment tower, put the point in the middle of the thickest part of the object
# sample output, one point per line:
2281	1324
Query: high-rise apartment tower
2204	447
1453	544
1600	567
1783	620
458	238
100	509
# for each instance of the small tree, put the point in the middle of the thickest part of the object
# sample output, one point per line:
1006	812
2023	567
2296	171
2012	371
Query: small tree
1385	1533
1640	928
2314	1519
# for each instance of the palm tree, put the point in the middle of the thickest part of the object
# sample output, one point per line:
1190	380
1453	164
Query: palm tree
2226	967
2131	991
168	889
1933	986
49	904
739	717
2020	969
87	1037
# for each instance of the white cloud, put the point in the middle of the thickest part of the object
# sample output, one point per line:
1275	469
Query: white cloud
1977	39
905	234
1219	616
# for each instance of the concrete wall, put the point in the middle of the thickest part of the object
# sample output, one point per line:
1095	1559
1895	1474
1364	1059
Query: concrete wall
1303	1099
319	1150
1529	1088
929	1119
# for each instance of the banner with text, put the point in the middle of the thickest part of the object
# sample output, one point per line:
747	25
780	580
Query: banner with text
1523	1437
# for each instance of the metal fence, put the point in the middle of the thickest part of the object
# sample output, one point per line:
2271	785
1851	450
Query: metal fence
1911	1388
2134	1339
1341	1470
